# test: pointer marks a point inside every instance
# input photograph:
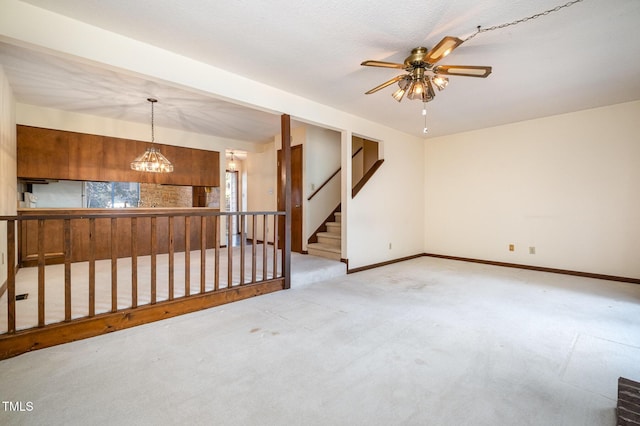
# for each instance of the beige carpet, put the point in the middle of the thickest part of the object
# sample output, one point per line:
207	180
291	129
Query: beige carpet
305	269
423	342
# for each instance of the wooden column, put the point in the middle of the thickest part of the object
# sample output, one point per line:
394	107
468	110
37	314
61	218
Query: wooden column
285	124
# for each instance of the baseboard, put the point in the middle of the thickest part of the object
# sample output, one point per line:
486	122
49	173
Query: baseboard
538	268
377	265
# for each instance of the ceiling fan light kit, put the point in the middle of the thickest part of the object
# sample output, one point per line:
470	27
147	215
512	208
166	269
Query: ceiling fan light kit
422	73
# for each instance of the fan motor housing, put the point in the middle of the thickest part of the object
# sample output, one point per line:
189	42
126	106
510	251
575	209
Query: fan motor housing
416	59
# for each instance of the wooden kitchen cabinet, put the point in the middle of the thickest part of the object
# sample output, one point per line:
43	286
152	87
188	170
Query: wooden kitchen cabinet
61	155
42	153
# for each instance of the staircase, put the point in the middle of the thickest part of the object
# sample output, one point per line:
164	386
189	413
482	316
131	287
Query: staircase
329	242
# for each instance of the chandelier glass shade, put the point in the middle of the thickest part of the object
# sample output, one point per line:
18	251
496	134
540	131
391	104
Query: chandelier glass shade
419	86
152	159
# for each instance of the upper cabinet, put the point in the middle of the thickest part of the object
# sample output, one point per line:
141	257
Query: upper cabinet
42	153
57	154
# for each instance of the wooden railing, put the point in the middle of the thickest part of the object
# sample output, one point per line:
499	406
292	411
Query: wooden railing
368	174
92	294
334	174
358	185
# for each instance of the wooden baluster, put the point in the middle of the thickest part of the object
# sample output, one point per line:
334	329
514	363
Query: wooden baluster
154	265
92	266
134	262
229	251
253	248
171	258
203	252
275	245
216	273
285	261
11	276
243	244
114	264
264	247
67	269
41	276
187	256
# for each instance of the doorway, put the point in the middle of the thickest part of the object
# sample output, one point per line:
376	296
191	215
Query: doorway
296	198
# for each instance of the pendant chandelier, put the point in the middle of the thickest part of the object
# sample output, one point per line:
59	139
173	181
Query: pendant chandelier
152	160
232	166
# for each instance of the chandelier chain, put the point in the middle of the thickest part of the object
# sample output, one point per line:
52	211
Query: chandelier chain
519	21
153	139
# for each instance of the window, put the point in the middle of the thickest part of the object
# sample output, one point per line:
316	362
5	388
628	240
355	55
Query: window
111	194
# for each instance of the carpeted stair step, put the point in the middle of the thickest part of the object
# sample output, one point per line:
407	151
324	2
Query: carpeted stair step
329	239
324	250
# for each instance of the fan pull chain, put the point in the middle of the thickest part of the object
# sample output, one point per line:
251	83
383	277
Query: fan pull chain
424	113
519	21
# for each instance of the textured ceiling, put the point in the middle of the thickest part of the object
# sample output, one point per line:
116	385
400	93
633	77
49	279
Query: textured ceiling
583	56
50	81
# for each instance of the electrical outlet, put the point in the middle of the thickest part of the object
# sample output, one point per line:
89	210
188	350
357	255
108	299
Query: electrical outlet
512	247
532	250
389	246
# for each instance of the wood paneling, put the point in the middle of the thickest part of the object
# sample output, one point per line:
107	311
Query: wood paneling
57	154
201	166
182	169
80	241
116	161
85	156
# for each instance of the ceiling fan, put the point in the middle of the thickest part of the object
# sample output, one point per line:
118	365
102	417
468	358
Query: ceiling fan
422	74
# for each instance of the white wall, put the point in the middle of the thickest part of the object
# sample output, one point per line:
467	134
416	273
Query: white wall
8	179
385	221
568	185
261	184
